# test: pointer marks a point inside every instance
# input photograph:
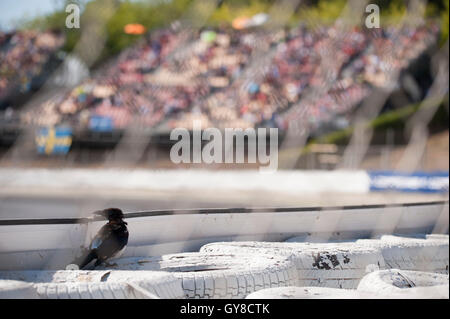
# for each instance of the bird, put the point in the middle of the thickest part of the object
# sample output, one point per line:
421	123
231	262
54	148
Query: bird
110	240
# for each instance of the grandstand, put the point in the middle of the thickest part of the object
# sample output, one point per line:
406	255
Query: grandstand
152	87
27	58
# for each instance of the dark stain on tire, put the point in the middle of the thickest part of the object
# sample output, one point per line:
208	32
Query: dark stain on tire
105	276
334	260
346	259
319	262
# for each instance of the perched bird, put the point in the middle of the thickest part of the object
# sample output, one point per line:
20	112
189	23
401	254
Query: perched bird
111	239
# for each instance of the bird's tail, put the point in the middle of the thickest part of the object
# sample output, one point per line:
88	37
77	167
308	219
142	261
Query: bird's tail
86	260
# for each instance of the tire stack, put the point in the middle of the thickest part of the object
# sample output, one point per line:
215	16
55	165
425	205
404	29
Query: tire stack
430	253
388	267
396	283
80	284
318	264
382	284
219	275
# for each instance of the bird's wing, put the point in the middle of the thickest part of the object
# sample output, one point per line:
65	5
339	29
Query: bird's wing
96	242
103	234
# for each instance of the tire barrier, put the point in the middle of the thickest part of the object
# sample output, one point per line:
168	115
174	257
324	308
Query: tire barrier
238	269
430	253
283	181
395	283
318	264
309	293
52	243
218	275
94	284
14	289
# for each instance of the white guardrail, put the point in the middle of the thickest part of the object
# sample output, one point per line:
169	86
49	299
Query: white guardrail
283	181
54	243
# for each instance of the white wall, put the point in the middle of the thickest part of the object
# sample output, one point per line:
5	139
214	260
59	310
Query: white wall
297	182
54	246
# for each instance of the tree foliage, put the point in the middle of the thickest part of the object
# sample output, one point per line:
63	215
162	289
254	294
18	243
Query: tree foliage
159	13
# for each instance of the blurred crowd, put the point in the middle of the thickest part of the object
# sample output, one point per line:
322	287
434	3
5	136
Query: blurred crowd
377	64
302	61
23	55
225	77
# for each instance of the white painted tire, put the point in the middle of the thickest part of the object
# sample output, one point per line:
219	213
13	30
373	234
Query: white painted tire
395	283
333	265
218	275
92	290
309	293
82	284
14	289
428	254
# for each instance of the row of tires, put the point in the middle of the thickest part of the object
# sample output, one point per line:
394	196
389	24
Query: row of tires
342	265
390	283
236	269
81	284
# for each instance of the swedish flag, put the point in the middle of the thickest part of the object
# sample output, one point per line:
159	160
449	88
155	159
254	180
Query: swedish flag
54	140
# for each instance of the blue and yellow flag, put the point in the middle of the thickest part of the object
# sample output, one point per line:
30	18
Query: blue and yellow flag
54	140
